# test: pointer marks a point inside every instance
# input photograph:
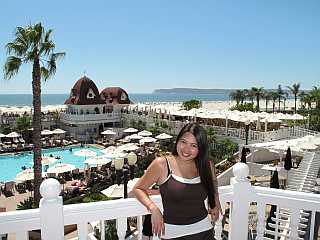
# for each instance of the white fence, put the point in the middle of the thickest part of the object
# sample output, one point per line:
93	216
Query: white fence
238	133
247	206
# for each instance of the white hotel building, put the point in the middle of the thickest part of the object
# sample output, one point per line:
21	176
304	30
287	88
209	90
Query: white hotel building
89	112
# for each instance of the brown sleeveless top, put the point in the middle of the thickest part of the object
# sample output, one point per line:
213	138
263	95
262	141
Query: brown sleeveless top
183	200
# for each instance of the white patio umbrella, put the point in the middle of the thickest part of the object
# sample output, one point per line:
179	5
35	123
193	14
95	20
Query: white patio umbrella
307	146
163	136
109	149
108	132
116	154
46	132
25	175
147	140
61	168
117	191
130	130
13	135
145	133
128	147
98	160
58	131
2	135
134	137
85	153
46	160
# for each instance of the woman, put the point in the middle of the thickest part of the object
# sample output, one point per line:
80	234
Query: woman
186	179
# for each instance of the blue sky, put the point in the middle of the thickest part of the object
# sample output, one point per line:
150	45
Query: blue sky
149	44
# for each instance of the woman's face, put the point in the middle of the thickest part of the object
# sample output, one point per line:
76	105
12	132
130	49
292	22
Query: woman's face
187	147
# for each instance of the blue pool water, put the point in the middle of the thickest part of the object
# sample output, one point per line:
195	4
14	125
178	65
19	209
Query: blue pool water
11	165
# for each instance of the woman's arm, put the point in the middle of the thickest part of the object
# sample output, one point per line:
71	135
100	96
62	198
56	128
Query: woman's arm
216	211
151	176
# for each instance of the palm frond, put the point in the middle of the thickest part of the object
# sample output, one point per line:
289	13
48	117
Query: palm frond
46	48
44	73
12	66
47	35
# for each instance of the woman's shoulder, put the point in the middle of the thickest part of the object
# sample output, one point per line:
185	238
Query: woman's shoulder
162	161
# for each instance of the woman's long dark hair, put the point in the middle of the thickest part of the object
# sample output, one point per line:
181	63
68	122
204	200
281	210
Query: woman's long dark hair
202	160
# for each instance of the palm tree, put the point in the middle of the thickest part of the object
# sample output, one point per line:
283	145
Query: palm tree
306	100
267	96
274	97
236	96
280	95
56	117
315	95
32	44
23	125
257	92
285	97
295	91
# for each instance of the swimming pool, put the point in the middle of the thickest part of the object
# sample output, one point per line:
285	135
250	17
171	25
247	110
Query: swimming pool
10	165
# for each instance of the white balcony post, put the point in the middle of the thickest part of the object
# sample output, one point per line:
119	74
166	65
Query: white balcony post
242	191
121	224
51	210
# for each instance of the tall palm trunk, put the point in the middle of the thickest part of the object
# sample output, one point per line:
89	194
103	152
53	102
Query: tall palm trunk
279	103
266	105
36	89
258	103
295	103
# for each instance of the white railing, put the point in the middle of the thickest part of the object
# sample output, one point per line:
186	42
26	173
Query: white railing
238	133
87	118
246	204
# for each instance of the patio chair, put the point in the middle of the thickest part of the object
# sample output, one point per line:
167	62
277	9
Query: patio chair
75	173
21	187
9	188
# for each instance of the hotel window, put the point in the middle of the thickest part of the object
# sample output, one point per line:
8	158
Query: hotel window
90	94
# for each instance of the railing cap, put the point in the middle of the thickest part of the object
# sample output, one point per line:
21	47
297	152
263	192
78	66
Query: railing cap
50	188
240	171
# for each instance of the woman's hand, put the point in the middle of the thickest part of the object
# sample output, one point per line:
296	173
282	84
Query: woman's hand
216	211
157	221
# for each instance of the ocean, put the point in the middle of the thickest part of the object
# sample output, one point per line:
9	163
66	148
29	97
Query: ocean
58	99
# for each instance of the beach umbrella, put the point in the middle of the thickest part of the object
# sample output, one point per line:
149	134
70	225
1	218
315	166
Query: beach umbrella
61	168
114	154
163	136
288	160
25	175
145	133
109	149
274	181
2	135
108	132
130	130
58	131
128	147
85	153
98	160
46	160
13	135
46	132
134	137
243	158
117	191
147	140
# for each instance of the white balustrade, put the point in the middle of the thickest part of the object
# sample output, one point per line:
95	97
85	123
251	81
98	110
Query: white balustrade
294	210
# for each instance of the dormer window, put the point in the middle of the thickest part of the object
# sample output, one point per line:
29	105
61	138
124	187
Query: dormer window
90	94
123	96
73	92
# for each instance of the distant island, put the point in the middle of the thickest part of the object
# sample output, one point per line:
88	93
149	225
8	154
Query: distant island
192	91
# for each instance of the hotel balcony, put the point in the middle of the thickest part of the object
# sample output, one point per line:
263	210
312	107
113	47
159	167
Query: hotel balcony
246	209
77	119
